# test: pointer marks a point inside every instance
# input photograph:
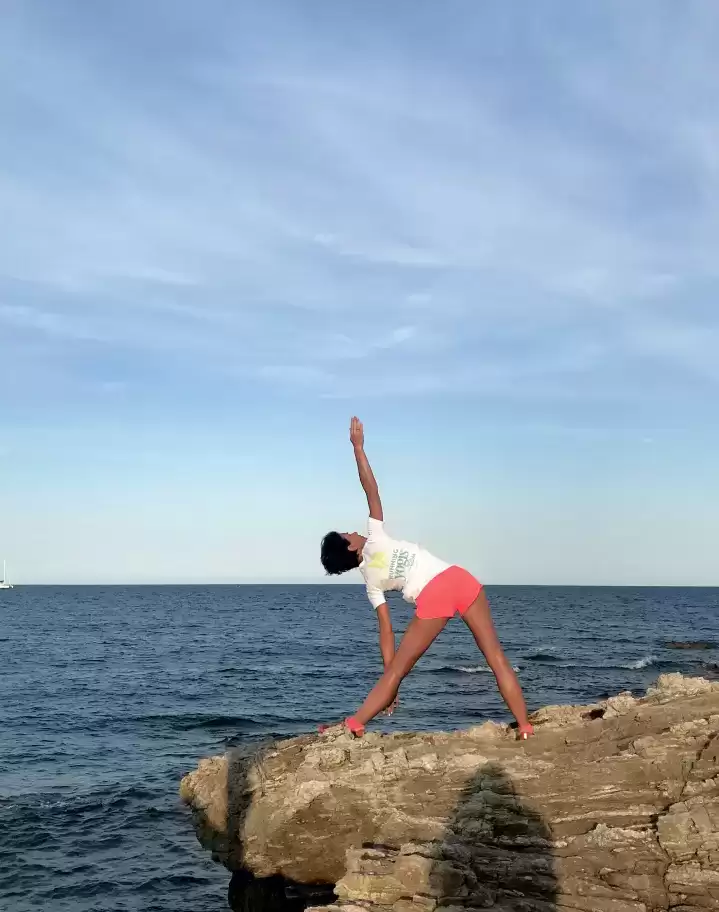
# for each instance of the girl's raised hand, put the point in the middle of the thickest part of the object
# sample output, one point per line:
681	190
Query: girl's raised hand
357	433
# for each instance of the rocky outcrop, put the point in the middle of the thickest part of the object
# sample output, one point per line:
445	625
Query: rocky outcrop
690	644
612	807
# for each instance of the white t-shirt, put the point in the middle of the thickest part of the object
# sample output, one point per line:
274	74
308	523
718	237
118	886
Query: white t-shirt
388	564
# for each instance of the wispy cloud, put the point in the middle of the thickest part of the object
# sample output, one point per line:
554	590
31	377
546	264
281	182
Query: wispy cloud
539	224
293	374
399	255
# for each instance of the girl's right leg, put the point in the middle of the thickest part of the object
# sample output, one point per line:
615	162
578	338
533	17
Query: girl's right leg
478	618
417	639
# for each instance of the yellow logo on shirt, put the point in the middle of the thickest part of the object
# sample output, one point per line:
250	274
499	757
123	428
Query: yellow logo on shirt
378	561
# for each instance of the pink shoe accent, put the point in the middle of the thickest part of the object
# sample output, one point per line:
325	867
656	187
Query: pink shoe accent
355	727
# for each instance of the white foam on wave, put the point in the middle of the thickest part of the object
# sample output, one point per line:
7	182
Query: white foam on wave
479	669
640	663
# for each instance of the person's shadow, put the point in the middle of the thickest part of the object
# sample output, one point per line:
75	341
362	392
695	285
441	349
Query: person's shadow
495	852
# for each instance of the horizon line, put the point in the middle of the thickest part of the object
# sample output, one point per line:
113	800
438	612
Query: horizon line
327	583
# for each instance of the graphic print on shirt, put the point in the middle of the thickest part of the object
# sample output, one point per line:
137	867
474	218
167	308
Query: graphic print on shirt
390	564
401	564
378	561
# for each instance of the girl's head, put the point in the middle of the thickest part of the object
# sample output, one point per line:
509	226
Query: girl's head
341	551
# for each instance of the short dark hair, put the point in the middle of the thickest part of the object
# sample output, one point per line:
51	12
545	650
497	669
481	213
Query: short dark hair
336	555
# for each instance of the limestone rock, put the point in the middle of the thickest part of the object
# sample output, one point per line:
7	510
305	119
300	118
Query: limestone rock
612	807
690	644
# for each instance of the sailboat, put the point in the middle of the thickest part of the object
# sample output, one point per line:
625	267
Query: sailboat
3	580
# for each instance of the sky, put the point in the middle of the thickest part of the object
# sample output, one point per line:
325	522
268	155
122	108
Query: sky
488	229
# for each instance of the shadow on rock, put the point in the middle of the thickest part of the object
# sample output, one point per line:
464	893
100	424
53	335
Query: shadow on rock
493	852
248	893
496	852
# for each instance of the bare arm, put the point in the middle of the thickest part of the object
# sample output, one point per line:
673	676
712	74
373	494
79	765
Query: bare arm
386	645
386	634
364	469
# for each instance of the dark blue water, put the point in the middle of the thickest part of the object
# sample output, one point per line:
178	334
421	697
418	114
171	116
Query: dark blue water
109	695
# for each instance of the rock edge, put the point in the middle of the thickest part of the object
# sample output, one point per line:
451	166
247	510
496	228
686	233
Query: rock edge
612	807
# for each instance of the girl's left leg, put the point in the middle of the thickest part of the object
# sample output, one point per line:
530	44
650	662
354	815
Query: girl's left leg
417	639
478	618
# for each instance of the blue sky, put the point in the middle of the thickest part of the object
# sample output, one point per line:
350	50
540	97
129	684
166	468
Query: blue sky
489	229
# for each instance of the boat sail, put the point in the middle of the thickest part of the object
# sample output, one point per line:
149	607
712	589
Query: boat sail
3	579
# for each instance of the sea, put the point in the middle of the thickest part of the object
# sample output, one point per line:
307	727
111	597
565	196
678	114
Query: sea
109	695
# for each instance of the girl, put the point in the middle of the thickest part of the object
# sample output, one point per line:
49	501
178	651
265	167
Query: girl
438	590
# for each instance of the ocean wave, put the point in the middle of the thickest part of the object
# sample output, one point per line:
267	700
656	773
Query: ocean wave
79	802
465	669
547	657
167	724
647	661
190	721
641	663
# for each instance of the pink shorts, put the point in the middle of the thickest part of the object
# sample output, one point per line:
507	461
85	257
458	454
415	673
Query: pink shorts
451	591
